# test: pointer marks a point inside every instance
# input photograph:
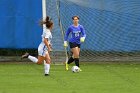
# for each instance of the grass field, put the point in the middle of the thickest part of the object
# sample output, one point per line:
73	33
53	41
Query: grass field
95	78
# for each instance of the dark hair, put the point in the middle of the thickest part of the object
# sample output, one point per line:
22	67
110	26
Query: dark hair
74	17
47	21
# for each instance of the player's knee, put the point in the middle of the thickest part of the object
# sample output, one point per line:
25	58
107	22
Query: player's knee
76	55
39	62
48	61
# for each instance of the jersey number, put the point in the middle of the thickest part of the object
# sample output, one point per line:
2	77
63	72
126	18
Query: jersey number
76	34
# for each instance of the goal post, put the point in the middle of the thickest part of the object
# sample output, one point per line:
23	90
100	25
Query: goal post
44	11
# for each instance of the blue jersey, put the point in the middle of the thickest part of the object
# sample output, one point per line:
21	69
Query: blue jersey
76	33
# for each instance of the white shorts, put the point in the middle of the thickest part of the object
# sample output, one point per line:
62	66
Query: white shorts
42	50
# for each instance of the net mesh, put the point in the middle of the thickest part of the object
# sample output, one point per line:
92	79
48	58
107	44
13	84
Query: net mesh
112	27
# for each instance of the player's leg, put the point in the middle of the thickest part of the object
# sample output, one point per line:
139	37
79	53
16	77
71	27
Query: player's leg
33	59
40	60
47	64
71	59
41	55
75	51
79	56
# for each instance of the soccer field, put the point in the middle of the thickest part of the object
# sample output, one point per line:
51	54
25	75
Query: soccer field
95	78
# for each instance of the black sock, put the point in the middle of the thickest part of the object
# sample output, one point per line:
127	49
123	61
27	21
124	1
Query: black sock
71	59
76	61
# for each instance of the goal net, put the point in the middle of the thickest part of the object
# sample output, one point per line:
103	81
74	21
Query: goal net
112	27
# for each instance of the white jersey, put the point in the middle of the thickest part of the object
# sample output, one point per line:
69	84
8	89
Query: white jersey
42	49
46	34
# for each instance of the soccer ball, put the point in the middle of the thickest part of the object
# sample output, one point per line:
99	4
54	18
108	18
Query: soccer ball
75	69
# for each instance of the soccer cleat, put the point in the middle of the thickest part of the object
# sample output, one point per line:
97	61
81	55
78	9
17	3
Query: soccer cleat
46	74
80	69
25	55
67	66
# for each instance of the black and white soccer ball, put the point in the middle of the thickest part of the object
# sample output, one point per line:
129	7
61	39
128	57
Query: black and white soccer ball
75	69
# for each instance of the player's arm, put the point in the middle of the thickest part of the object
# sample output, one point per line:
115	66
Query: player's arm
46	41
83	36
47	44
66	37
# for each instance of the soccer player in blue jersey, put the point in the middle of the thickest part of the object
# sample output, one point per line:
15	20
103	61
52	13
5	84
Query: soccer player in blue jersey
78	35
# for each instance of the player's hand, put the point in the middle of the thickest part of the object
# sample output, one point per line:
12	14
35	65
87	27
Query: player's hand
49	50
65	44
50	46
82	39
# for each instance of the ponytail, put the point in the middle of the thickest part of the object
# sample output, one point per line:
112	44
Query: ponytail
47	21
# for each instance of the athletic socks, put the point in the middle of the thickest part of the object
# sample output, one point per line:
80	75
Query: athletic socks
76	61
47	68
33	59
71	59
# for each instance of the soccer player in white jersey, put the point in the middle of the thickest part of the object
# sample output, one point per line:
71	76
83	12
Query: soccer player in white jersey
44	47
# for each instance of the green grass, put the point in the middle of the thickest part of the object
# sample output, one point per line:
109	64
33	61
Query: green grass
95	78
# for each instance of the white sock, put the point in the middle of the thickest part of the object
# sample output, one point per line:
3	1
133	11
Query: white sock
33	59
47	68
